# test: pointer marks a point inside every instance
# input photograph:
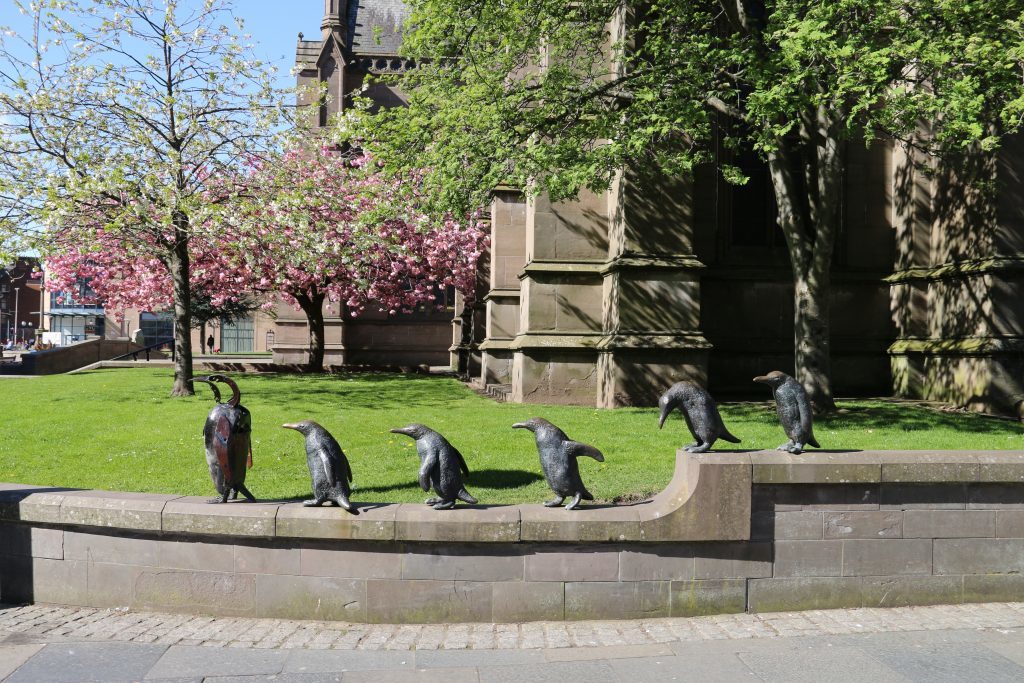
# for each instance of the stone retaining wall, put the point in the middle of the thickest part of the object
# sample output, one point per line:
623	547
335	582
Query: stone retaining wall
732	532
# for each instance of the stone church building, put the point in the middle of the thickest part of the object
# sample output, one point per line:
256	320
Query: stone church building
607	300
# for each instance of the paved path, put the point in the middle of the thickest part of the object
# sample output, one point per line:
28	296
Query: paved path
946	643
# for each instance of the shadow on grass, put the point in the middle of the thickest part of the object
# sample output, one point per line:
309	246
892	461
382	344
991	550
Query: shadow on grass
353	391
897	415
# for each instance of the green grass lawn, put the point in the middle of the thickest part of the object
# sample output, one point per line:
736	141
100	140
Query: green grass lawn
118	430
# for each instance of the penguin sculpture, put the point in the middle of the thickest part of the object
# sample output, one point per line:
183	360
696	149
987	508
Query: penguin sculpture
558	455
328	466
794	410
700	412
441	466
227	436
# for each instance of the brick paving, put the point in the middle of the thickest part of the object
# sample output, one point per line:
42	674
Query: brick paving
89	624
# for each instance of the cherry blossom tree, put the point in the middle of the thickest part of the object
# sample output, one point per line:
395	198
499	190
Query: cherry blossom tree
115	117
322	225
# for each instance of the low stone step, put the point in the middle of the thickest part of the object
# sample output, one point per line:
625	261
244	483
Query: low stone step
499	392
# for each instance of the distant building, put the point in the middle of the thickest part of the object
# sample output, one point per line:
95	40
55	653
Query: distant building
358	49
20	297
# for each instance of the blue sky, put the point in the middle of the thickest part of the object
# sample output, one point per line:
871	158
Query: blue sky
275	27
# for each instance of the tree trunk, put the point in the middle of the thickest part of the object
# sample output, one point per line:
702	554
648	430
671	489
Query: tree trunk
465	353
312	304
810	225
179	265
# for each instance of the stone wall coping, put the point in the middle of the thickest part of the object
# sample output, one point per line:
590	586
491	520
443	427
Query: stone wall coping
708	499
875	467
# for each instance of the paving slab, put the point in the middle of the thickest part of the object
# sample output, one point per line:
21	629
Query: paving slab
89	663
278	678
575	654
13	656
699	669
553	672
414	676
455	659
323	661
190	661
814	665
950	662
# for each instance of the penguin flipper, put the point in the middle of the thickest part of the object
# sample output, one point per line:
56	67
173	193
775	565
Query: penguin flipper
430	462
575	449
328	470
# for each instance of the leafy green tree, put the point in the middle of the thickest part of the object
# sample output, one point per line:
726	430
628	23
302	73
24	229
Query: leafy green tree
115	118
555	96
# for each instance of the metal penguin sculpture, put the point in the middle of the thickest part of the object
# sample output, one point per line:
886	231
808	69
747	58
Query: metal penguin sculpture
441	466
558	455
227	434
328	466
700	412
794	410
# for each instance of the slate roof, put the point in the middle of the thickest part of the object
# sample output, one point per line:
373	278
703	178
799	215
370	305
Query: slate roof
374	29
387	16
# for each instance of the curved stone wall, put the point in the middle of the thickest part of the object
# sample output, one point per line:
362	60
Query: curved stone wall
760	531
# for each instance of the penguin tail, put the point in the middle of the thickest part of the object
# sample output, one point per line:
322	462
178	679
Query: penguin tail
464	496
726	436
586	495
811	441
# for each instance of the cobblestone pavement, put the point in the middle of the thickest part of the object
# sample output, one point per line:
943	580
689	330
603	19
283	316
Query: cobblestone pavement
88	624
50	644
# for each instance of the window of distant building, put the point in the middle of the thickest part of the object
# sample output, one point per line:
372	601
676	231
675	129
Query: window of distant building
156	327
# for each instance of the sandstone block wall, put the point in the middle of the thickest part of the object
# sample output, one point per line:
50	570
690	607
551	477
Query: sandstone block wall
732	532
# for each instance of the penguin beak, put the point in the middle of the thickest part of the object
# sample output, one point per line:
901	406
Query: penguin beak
205	380
291	426
520	425
401	430
761	379
665	410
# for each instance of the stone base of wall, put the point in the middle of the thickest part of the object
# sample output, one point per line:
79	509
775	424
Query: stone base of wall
732	532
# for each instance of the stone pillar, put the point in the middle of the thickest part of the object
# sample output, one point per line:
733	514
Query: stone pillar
651	292
555	348
507	258
958	291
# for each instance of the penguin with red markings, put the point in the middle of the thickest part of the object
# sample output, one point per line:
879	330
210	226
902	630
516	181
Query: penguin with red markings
228	438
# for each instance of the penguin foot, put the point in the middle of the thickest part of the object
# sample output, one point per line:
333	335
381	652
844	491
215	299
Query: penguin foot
214	501
786	446
698	448
316	502
574	503
554	503
445	505
796	448
432	501
234	494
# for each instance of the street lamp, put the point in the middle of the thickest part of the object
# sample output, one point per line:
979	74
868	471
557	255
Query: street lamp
26	327
14	320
